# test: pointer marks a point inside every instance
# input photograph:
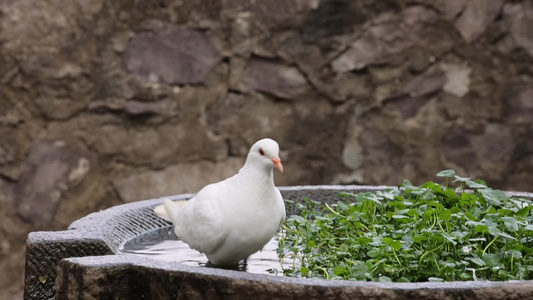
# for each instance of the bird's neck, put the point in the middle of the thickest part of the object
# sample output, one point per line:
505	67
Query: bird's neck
260	175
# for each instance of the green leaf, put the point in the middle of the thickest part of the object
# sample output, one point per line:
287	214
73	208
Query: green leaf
420	238
529	227
461	179
475	185
400	217
374	253
347	194
407	242
446	173
448	238
407	184
481	228
396	245
524	211
435	279
478	261
491	259
387	241
513	253
494	231
508	236
494	197
510	223
445	215
341	205
403	279
339	270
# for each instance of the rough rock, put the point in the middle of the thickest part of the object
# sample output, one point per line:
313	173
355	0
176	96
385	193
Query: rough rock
430	82
493	146
14	146
352	154
165	107
53	168
138	146
477	15
114	276
518	105
520	16
386	37
271	12
274	78
173	54
177	179
406	107
452	8
457	79
255	114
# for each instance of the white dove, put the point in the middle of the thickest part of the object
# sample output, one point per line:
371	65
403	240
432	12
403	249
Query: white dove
234	218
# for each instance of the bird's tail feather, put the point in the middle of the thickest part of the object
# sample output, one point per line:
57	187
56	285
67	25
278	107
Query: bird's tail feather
168	209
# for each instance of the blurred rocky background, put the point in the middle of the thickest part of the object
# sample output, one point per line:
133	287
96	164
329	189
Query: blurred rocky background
107	102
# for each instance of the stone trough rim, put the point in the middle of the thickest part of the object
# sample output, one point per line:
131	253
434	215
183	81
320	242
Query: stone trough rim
92	228
172	266
123	260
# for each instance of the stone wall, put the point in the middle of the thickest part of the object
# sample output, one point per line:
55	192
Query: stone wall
105	102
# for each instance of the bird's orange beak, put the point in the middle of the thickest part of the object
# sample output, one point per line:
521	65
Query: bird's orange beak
277	163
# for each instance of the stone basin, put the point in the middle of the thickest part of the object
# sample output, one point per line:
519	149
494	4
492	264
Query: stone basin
80	263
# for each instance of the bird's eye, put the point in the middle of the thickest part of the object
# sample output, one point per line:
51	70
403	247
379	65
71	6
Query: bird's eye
261	151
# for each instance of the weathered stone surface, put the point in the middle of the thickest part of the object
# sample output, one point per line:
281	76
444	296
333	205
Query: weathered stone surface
14	145
138	145
172	55
165	107
452	8
51	21
54	167
177	179
430	82
107	277
343	87
477	15
520	16
60	108
389	35
352	154
273	77
273	12
494	146
256	116
518	104
407	107
457	79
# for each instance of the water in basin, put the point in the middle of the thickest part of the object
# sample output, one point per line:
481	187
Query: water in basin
162	244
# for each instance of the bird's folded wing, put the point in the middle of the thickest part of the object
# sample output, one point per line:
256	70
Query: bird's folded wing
204	229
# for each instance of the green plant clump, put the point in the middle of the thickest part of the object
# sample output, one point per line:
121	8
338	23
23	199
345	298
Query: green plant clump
412	234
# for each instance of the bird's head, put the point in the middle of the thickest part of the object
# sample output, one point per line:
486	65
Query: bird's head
266	153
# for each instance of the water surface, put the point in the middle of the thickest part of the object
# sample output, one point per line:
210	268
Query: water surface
163	245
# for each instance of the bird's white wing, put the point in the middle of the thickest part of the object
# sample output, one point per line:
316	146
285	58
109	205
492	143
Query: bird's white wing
202	225
281	206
